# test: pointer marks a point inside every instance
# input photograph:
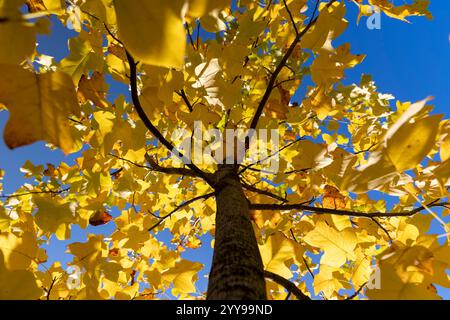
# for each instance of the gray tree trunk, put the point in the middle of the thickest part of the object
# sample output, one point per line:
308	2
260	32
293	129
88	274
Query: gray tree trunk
237	270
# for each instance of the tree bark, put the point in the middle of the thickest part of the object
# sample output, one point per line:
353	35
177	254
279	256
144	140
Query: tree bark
237	271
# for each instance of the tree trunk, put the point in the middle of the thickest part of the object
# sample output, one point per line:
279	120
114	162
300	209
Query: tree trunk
237	271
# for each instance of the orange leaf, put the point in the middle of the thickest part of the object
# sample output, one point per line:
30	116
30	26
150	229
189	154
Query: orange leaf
100	218
333	199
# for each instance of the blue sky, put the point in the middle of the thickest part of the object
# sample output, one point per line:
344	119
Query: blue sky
410	61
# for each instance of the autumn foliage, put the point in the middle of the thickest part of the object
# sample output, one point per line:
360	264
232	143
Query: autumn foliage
230	65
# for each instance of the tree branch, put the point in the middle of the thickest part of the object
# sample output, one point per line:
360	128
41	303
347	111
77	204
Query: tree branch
140	111
52	192
304	260
288	285
280	66
291	17
382	228
357	292
154	166
262	192
318	210
183	95
162	219
154	131
191	40
269	156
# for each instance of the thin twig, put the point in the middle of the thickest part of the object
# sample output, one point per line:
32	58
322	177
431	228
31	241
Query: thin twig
184	204
357	292
304	260
291	17
191	40
262	192
16	195
288	285
183	95
269	156
382	228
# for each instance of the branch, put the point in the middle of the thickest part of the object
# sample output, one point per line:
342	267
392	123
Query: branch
263	192
261	206
280	66
170	170
357	292
288	285
291	17
49	290
52	192
269	156
155	132
154	166
140	111
162	219
304	260
191	40
183	95
382	228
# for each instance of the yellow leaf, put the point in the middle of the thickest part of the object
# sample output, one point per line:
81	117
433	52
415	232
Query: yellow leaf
18	251
85	56
18	285
417	8
54	216
161	21
16	254
332	198
183	276
337	246
17	35
278	253
198	8
94	89
329	280
409	287
330	25
412	142
39	107
376	173
90	253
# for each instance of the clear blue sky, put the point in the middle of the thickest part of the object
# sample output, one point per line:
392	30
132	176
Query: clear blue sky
410	61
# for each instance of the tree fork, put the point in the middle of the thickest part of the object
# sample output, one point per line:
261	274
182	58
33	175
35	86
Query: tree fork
237	271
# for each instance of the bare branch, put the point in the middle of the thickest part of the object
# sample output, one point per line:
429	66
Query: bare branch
49	290
288	285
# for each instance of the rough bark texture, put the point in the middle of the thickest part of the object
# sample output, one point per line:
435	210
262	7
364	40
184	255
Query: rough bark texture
237	271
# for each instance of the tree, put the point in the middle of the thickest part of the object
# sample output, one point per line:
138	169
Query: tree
285	198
